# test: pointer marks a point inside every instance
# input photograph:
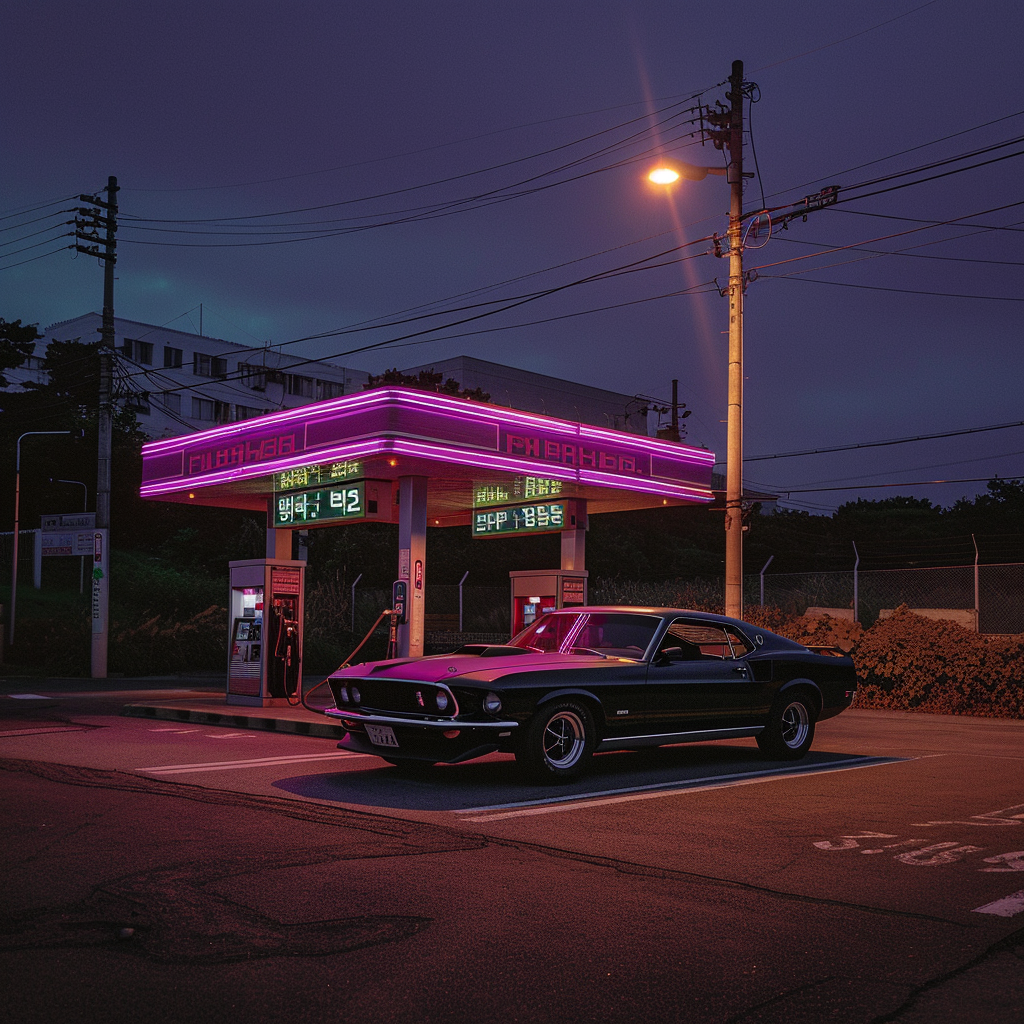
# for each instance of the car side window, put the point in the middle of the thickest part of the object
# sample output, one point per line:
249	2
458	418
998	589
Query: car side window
698	640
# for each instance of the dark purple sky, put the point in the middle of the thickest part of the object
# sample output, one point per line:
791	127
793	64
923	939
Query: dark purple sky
220	109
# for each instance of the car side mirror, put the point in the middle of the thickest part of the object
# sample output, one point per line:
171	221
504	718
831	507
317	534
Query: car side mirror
669	654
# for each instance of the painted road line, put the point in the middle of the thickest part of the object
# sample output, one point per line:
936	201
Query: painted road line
39	732
1008	906
257	762
662	789
27	696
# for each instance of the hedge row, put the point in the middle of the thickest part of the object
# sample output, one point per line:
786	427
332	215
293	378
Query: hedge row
910	663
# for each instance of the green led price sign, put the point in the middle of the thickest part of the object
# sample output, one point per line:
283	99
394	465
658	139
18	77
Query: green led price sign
324	504
304	477
519	519
520	487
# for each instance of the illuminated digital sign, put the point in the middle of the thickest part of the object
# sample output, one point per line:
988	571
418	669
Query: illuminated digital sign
488	494
319	473
324	504
519	519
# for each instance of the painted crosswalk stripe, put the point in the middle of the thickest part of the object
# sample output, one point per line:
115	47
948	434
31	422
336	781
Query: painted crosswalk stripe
1008	906
257	762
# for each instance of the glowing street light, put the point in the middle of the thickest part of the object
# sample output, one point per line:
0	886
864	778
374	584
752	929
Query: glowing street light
670	173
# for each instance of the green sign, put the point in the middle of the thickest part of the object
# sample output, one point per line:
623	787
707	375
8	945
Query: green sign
520	488
324	504
503	522
304	477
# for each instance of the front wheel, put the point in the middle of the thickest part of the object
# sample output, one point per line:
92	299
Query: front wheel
790	729
558	742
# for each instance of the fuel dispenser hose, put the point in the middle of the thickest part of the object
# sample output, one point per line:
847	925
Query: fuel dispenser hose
345	664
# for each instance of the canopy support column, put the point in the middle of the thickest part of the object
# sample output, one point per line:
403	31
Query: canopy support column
412	561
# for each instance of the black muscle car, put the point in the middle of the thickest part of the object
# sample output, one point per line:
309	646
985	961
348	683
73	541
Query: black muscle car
591	679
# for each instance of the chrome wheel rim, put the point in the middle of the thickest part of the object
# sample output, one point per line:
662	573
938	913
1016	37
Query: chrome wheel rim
564	739
795	725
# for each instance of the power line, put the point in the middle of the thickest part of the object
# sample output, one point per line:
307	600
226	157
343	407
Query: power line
885	443
906	483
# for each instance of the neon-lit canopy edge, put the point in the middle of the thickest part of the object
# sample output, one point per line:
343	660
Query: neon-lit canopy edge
396	422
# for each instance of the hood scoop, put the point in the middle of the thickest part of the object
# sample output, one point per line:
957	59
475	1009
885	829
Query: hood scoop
492	650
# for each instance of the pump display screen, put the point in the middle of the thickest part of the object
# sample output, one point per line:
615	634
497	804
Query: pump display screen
323	504
500	522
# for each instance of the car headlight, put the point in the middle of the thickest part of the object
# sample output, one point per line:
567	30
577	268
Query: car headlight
343	694
442	700
356	695
492	703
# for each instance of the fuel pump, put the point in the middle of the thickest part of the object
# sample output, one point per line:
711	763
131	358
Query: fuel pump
399	613
286	657
265	645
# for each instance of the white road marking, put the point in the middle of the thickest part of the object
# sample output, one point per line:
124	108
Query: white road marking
656	790
28	696
38	732
258	762
230	736
1008	906
1007	816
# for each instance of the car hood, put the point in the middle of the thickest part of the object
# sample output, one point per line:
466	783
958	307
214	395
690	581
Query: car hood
445	668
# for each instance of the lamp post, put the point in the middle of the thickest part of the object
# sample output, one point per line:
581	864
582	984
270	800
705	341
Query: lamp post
17	504
731	138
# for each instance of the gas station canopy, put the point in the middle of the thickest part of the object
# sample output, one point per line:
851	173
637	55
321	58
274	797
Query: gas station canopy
473	454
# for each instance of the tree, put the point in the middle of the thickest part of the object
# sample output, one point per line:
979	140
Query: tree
425	380
17	343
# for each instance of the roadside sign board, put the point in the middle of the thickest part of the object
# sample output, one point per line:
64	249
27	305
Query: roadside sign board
68	534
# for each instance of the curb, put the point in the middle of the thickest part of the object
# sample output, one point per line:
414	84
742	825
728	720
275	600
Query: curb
298	727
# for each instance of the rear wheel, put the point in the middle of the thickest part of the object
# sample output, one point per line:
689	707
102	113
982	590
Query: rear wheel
790	729
558	742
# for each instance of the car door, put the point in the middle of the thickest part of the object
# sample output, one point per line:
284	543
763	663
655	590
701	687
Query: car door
698	679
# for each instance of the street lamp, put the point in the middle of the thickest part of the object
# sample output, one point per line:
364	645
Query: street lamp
17	502
730	138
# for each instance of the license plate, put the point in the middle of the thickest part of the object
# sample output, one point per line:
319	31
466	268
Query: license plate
381	735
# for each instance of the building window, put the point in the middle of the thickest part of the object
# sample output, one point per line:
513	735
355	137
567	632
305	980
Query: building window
139	403
253	376
329	389
202	409
172	403
247	412
299	385
139	351
172	358
209	366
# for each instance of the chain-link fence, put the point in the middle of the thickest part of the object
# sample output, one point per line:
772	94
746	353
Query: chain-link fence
991	601
989	598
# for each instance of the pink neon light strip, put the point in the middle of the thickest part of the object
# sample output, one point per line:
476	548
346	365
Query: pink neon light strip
400	446
457	408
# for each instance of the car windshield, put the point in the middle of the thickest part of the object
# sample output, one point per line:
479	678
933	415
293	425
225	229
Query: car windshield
617	634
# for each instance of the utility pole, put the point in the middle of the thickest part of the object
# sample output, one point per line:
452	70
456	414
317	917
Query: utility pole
103	216
731	138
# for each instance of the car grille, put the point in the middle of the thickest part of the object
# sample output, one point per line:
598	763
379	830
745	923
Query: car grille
397	697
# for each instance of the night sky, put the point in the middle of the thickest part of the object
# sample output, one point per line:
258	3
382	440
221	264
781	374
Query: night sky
383	161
